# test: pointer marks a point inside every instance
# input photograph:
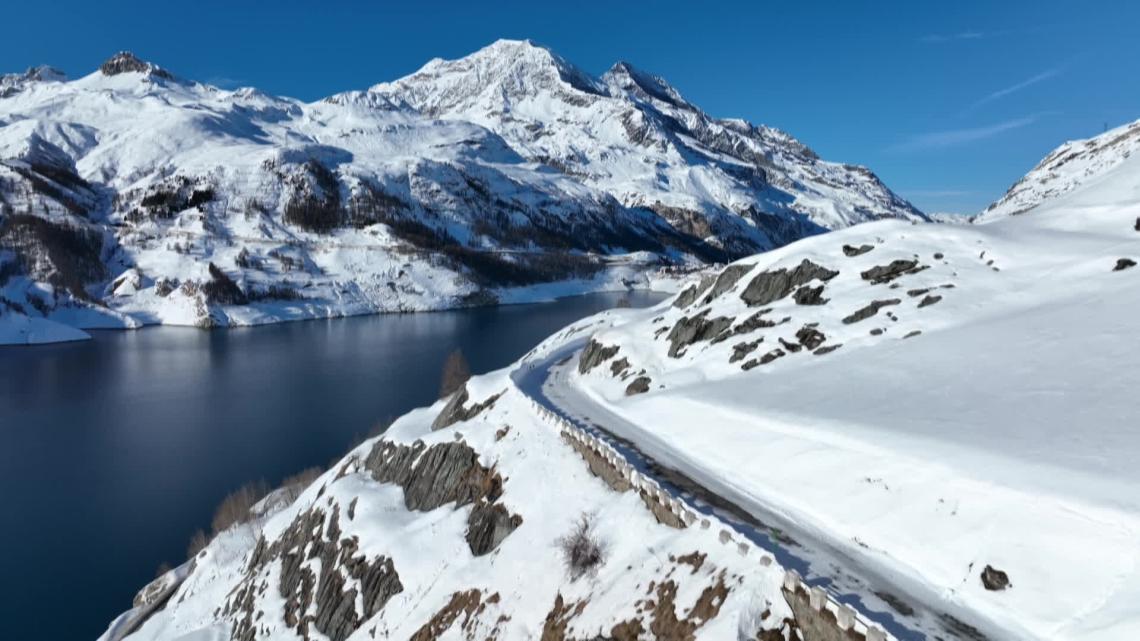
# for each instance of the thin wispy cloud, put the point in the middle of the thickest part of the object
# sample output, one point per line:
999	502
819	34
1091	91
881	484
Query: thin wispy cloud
937	38
1014	88
957	137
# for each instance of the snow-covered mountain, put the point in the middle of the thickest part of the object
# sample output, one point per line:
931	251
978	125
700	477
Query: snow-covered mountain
132	195
1068	167
935	424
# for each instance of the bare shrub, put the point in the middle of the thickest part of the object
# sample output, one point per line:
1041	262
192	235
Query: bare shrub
198	542
297	483
234	508
456	372
581	551
163	568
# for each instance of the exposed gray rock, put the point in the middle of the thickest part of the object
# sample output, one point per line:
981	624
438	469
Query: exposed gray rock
640	385
689	330
1137	226
790	346
727	278
488	525
619	366
929	300
913	333
771	356
869	310
433	476
771	286
849	250
917	292
878	331
315	594
938	256
126	62
827	349
1123	263
809	296
693	292
810	337
886	273
754	322
594	354
454	411
994	579
740	350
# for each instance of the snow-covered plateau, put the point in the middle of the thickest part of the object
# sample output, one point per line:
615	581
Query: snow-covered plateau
132	196
934	425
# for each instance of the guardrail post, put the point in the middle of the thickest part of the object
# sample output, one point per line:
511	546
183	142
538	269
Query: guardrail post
791	580
846	617
742	548
765	560
705	524
725	536
876	634
817	597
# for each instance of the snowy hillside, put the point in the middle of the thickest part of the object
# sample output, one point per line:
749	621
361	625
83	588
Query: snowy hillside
933	400
132	195
1068	167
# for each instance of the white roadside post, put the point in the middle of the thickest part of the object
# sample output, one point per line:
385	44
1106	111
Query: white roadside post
817	597
791	580
845	617
876	634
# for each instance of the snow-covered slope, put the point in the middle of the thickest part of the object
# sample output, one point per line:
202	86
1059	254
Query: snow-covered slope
932	399
119	190
454	532
1069	167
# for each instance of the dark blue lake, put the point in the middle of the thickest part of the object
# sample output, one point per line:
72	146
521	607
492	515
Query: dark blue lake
113	451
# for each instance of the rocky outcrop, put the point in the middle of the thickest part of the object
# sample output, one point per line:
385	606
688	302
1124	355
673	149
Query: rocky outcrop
928	300
595	354
726	280
689	330
886	273
870	310
433	476
640	385
126	62
322	596
810	337
693	292
456	411
488	525
850	250
770	286
1123	263
809	296
741	350
994	579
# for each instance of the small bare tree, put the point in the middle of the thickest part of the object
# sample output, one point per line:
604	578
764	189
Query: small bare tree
581	551
198	542
235	507
456	372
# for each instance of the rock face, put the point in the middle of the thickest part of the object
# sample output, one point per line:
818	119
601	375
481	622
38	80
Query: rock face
886	273
433	476
849	250
1123	263
771	286
928	300
870	310
726	280
693	292
693	329
595	354
126	62
455	412
994	579
640	385
488	525
810	337
322	596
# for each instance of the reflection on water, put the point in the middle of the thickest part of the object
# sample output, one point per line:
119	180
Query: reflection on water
116	449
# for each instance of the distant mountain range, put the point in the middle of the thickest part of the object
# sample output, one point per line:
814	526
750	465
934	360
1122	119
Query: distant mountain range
132	195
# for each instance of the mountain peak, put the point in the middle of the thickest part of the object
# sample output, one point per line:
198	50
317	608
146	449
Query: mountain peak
623	77
127	62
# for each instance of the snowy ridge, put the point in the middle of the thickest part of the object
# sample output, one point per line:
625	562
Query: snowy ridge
1066	168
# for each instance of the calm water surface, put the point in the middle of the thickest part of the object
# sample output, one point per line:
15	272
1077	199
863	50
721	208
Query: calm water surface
113	451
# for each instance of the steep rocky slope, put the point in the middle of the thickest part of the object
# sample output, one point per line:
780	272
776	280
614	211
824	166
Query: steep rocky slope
132	195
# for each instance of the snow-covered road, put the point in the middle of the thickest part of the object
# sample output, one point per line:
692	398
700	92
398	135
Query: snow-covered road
905	610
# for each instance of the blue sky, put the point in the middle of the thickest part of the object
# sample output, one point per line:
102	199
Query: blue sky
948	102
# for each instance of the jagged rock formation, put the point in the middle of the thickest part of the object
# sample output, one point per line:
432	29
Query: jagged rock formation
455	410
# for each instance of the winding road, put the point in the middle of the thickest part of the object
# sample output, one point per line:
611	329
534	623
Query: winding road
907	612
